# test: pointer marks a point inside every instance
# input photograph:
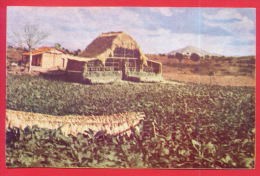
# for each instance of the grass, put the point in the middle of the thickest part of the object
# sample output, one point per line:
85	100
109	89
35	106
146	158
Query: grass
185	126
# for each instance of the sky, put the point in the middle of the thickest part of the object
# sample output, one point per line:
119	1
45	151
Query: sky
225	31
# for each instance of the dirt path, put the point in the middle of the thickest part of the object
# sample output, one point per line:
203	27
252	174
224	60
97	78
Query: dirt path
74	124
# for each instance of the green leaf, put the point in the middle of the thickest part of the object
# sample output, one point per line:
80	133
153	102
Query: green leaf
211	148
165	151
196	145
226	159
248	162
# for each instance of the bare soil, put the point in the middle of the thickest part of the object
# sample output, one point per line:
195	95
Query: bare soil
212	80
224	71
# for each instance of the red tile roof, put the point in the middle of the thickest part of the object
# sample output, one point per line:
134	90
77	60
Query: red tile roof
42	50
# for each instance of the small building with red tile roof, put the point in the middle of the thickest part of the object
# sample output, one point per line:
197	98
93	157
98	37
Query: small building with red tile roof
46	59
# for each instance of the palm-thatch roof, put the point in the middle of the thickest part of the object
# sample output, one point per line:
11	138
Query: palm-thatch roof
105	44
114	124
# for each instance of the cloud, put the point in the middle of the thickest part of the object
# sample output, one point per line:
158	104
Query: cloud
76	27
223	14
231	21
73	27
237	27
240	29
164	41
178	10
165	11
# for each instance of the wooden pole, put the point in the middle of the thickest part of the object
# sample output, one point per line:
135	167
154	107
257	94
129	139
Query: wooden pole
30	62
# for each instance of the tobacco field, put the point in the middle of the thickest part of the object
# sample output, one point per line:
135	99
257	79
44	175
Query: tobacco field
185	126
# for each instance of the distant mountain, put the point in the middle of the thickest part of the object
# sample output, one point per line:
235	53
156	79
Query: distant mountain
188	50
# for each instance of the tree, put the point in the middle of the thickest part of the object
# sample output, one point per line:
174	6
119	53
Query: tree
161	54
179	56
195	57
170	56
207	56
66	50
57	45
211	74
77	52
29	36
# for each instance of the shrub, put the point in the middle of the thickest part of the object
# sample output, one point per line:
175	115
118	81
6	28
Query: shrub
195	57
179	56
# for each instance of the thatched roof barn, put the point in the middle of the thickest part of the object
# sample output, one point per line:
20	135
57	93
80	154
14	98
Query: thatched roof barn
115	56
114	44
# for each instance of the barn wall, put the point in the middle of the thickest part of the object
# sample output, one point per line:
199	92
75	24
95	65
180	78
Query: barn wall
154	67
47	60
52	61
75	66
93	71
